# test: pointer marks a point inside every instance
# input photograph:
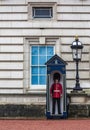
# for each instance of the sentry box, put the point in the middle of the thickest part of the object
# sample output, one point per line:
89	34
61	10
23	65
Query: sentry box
56	103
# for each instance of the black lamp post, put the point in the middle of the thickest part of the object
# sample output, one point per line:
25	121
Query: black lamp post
77	55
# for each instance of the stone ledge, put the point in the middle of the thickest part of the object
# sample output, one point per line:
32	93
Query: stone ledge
80	97
24	99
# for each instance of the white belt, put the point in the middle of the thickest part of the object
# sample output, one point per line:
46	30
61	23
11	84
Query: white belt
56	90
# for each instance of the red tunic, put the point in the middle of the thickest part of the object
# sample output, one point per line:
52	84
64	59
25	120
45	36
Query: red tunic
56	90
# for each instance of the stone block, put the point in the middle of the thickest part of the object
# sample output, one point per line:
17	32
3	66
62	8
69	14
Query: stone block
78	110
11	110
80	99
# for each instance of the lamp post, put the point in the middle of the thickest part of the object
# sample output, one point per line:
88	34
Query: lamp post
77	55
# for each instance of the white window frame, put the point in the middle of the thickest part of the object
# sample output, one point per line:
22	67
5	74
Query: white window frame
36	41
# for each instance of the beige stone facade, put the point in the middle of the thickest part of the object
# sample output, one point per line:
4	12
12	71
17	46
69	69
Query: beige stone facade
19	30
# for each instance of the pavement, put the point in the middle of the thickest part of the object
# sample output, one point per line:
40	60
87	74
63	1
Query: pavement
44	124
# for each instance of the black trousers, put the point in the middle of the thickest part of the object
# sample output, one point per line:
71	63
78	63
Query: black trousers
54	101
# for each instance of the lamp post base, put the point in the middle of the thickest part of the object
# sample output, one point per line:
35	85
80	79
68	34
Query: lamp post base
77	86
77	89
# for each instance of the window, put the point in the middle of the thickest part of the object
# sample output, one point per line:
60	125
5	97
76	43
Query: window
37	50
42	12
39	55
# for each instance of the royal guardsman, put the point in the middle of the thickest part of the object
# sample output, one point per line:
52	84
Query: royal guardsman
56	94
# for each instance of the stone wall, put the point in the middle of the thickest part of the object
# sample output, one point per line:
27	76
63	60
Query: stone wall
17	31
71	18
22	111
79	104
79	110
22	105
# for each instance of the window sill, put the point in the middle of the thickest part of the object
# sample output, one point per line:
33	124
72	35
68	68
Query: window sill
34	91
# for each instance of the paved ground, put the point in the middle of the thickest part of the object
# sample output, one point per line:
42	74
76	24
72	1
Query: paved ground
80	124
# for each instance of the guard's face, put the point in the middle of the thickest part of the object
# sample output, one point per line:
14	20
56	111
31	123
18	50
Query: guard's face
56	81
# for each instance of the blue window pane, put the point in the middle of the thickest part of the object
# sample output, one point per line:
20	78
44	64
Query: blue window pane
42	80
34	60
48	57
50	51
35	50
34	70
42	60
42	70
34	80
39	56
42	50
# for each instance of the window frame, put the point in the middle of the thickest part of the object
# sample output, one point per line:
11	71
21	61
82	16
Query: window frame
49	9
35	40
32	5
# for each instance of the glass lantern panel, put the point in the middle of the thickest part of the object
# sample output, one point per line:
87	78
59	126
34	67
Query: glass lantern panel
79	53
74	53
